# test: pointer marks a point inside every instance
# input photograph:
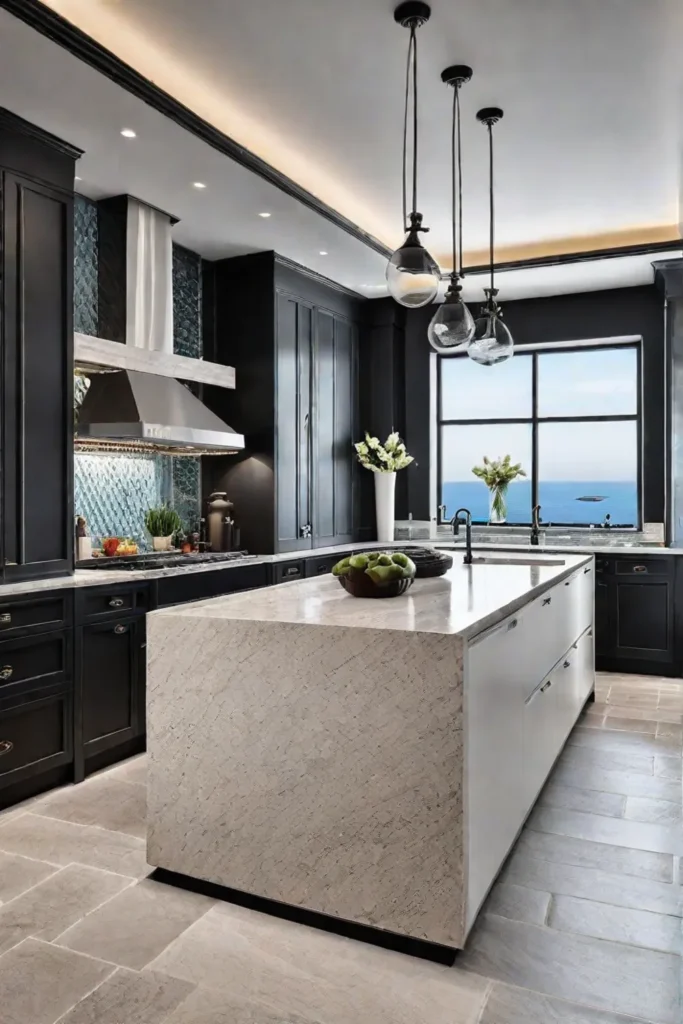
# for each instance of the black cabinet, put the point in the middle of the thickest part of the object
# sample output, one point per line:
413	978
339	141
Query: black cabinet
635	615
36	742
110	692
36	228
293	340
197	586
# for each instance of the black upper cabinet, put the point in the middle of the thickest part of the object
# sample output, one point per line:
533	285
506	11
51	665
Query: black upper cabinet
37	172
293	340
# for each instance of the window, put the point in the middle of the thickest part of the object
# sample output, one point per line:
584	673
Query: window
570	416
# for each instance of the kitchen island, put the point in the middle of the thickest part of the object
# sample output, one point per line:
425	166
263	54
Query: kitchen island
367	760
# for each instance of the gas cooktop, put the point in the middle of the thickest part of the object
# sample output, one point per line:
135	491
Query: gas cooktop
160	561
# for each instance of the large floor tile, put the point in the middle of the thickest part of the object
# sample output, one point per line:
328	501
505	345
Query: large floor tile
658	812
518	902
604	921
592	884
129	997
649	714
669	768
17	874
212	1006
52	906
674	733
597	828
39	982
608	780
584	853
134	770
62	842
507	1005
573	798
624	742
615	760
132	929
606	975
640	725
103	801
291	972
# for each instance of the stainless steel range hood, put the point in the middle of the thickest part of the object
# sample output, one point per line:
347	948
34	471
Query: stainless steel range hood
128	410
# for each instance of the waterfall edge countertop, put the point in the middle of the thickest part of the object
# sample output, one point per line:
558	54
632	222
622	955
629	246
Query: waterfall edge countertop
467	599
370	760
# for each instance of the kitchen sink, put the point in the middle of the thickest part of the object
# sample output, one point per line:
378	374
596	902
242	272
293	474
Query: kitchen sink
501	560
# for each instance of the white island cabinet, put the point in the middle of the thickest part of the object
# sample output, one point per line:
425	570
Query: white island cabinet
367	760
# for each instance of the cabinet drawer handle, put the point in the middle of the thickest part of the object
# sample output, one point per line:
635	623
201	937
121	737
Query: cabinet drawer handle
546	686
142	646
120	629
116	602
292	571
5	618
6	672
5	747
511	625
547	600
566	664
567	582
640	568
587	569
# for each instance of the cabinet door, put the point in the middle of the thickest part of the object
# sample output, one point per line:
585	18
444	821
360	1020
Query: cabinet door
605	600
293	435
36	735
334	375
542	736
111	684
644	619
37	391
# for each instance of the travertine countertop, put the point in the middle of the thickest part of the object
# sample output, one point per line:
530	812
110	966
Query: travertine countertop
466	600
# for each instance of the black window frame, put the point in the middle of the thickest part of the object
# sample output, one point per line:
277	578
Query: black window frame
534	420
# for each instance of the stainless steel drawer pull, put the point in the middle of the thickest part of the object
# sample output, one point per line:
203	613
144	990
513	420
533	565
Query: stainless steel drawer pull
546	686
547	600
587	569
292	571
5	747
6	672
116	602
566	664
640	568
5	618
511	625
120	629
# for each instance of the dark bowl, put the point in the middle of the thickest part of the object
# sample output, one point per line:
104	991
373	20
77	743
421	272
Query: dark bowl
358	584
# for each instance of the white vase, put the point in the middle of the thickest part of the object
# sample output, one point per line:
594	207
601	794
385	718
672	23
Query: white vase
162	543
385	489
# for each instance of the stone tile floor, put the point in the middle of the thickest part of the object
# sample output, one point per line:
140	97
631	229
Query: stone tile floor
583	926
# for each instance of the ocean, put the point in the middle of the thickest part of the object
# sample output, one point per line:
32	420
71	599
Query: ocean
558	500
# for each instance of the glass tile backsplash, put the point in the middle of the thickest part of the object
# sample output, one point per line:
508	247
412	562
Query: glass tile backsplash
113	492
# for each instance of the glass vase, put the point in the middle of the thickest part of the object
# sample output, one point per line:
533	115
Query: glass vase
497	505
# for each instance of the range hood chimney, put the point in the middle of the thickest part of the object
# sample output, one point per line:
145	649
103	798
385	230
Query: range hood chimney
127	410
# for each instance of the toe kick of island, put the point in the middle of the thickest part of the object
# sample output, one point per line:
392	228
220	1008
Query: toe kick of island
371	764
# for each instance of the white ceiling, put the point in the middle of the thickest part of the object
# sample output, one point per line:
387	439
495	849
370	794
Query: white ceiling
587	154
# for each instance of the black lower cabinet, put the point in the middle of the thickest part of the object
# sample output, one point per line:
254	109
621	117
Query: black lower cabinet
36	742
110	692
636	615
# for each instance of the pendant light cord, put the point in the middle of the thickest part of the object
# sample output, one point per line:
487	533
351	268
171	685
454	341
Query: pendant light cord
456	183
411	67
491	205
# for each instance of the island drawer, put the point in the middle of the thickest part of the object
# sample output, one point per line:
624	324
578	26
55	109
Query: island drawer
20	616
36	735
659	566
321	566
102	602
36	661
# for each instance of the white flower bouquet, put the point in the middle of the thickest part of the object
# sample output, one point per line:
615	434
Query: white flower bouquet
383	458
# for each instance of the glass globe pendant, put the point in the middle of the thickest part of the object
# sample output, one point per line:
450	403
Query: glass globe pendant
412	275
452	326
492	342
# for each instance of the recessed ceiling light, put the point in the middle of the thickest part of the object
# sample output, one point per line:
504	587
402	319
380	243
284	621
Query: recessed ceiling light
128	133
323	253
198	184
264	215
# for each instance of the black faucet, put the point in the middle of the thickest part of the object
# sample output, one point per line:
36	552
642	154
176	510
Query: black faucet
455	523
535	525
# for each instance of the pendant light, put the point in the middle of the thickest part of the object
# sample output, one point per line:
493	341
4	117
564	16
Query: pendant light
492	341
412	275
452	326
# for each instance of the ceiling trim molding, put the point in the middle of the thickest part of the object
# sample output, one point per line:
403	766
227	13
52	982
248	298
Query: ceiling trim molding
314	275
588	256
82	46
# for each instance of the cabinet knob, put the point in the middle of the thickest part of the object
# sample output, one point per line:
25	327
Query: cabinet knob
640	568
120	629
116	602
6	672
5	747
547	600
566	664
293	570
142	646
5	618
511	625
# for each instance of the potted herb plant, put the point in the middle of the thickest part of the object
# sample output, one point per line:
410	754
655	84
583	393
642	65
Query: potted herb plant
162	523
384	460
498	474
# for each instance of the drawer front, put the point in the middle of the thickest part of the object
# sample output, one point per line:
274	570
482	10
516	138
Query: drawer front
197	586
35	662
36	735
36	615
661	566
285	571
93	605
321	566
